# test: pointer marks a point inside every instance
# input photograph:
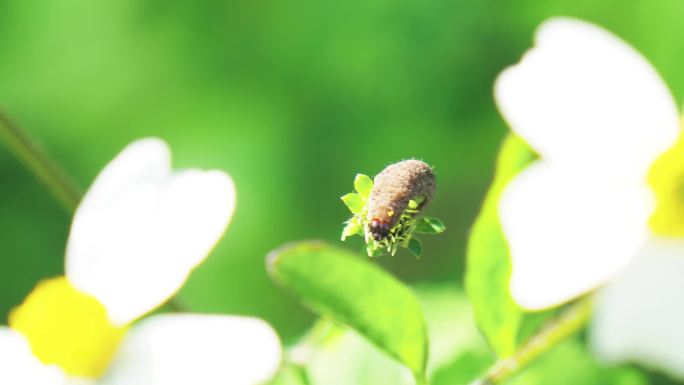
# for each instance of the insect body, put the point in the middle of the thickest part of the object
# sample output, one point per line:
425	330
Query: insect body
385	210
393	188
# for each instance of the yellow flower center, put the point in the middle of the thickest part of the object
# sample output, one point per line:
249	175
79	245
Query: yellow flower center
666	177
68	328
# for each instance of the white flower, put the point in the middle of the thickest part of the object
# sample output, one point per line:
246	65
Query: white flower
585	214
136	236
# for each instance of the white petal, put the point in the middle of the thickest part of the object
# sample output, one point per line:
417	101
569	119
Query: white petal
141	229
582	95
569	233
197	349
18	366
639	316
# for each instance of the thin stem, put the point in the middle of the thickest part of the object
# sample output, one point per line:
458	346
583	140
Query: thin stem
39	163
421	379
302	373
571	320
175	305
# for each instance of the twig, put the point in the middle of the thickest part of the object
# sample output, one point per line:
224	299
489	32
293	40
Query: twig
572	319
39	163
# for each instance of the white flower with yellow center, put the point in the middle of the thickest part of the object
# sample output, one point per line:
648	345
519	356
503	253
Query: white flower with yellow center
604	203
136	236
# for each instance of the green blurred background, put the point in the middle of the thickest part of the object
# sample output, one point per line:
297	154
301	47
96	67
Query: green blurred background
292	98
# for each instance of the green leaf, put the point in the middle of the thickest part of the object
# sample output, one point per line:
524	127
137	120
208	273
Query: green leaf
363	184
429	225
488	260
354	202
355	292
416	246
373	251
464	368
352	228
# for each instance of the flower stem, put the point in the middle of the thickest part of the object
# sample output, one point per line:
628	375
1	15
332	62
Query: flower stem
39	163
571	320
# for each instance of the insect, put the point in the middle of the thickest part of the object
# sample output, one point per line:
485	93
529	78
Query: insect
393	188
385	210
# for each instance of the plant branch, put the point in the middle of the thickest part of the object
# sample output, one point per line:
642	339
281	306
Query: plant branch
39	163
571	320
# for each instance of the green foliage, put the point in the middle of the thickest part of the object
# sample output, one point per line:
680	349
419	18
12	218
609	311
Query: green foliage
567	364
416	246
289	98
570	363
428	225
353	227
340	356
281	95
489	266
335	283
363	184
354	202
464	368
401	235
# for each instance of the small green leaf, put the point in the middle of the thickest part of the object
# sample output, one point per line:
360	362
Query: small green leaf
363	184
429	225
488	260
372	250
352	228
416	246
412	204
354	292
354	202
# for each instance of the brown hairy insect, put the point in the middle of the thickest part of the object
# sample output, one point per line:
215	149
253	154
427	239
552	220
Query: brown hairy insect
393	188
